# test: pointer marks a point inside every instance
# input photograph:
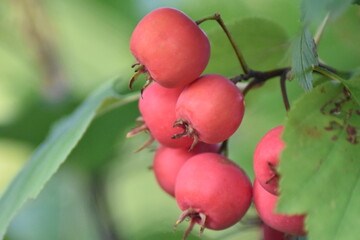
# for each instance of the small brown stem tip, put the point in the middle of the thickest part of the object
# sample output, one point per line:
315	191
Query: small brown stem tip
135	64
146	144
189	131
275	173
194	217
138	71
136	130
139	129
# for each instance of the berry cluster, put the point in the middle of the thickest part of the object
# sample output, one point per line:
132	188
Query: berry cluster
190	115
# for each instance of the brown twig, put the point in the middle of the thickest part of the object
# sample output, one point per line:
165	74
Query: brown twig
283	91
240	57
258	77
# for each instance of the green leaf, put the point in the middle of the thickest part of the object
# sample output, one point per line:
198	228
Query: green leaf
304	57
320	167
53	152
48	218
33	123
263	43
100	144
353	85
313	10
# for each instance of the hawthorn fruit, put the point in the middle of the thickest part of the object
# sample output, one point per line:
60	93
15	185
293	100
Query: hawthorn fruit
210	109
265	204
266	159
170	48
168	162
212	191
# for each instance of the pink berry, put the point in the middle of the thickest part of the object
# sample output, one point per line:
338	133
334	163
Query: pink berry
266	158
265	204
210	109
157	106
213	191
171	47
168	162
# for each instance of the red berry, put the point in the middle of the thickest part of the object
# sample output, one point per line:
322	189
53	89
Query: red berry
266	158
265	204
268	233
157	106
213	191
168	162
210	109
171	47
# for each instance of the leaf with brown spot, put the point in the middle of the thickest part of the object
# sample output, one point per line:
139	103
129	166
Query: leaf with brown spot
320	175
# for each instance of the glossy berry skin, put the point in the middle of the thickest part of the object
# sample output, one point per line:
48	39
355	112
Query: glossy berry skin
266	159
215	186
157	106
213	106
265	204
168	162
173	49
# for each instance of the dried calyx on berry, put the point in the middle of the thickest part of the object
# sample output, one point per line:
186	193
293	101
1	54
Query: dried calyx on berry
210	109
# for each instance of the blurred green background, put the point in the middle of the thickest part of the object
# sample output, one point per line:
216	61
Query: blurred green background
54	53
